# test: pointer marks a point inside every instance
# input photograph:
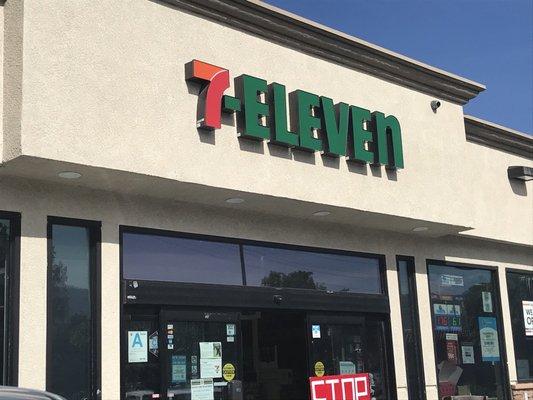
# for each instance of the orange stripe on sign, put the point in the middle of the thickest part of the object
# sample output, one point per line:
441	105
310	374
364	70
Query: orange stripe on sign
205	71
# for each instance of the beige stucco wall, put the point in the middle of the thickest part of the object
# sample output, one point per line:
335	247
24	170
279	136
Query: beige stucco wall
1	80
102	84
37	200
13	27
101	75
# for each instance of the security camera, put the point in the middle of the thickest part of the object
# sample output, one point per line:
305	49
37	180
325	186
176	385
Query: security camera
434	105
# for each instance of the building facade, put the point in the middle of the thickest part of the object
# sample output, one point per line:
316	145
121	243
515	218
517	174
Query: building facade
206	199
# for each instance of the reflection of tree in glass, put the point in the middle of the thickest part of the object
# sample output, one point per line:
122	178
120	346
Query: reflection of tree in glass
70	334
4	248
295	279
4	243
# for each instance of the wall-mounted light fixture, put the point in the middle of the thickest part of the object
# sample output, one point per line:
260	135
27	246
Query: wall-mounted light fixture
434	105
520	173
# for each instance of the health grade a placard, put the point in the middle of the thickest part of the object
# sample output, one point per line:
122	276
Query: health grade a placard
340	387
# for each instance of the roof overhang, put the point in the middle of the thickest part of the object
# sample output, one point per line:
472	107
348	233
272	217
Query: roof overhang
499	137
280	26
125	185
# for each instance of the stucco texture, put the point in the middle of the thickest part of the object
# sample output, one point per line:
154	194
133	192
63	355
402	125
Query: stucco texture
103	85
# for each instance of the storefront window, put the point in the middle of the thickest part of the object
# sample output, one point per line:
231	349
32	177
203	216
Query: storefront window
71	269
467	331
520	288
170	258
286	268
177	259
4	259
250	342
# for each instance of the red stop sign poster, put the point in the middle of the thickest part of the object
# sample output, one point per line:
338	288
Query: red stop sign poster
340	387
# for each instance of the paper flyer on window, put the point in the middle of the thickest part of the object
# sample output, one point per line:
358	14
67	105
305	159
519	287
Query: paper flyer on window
488	333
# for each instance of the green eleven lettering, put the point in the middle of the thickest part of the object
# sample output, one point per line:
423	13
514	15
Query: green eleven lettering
308	105
336	123
254	109
319	124
389	137
279	131
361	118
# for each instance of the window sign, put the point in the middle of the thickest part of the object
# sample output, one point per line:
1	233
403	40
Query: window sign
230	329
487	302
527	306
153	343
346	367
315	330
447	317
488	333
340	387
452	280
202	389
137	346
452	351
210	359
468	354
179	369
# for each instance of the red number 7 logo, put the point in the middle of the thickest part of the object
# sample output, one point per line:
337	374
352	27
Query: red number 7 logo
216	81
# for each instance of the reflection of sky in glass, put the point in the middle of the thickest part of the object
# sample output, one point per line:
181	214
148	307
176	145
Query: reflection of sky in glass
71	247
174	259
403	278
334	271
471	276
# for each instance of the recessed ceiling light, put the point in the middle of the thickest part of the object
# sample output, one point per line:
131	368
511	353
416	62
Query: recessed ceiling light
321	213
420	229
69	175
235	200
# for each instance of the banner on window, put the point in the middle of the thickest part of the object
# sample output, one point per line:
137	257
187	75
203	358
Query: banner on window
528	317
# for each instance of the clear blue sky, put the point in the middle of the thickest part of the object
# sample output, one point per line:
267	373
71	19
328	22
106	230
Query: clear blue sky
488	41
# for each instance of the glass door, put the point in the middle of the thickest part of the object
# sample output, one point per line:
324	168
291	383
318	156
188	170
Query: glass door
200	354
346	345
140	354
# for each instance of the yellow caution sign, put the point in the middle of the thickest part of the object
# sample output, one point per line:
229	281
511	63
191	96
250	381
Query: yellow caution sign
228	372
319	369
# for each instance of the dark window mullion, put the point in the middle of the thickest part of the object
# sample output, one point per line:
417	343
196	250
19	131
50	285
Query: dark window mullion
409	311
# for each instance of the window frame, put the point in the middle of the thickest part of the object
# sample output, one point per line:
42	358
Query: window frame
519	271
415	316
12	295
499	317
94	228
245	242
209	296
